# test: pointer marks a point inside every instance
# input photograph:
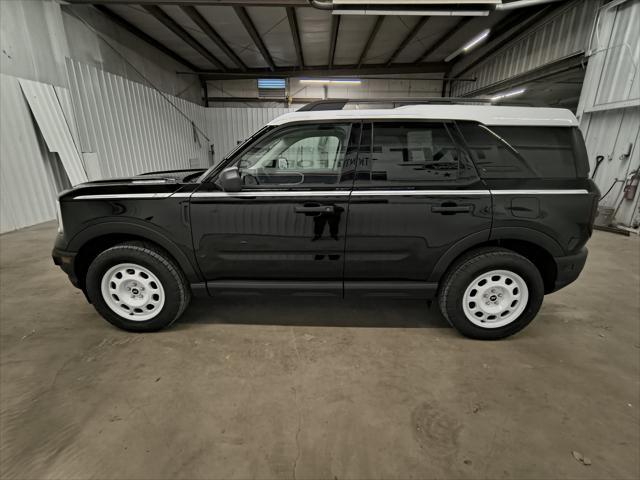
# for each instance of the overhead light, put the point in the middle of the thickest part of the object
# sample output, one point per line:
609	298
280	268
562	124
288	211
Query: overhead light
476	40
422	13
324	81
500	96
469	45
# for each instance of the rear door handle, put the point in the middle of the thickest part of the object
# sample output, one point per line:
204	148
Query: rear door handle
452	209
315	209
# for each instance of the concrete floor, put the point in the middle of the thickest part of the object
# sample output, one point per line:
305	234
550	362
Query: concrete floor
291	389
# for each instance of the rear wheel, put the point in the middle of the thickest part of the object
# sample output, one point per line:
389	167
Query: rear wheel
137	287
491	293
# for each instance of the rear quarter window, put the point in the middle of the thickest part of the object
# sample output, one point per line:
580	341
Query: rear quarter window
521	152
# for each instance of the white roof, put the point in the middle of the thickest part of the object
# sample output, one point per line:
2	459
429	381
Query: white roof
488	115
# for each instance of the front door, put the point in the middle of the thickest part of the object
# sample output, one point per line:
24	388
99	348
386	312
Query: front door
286	227
415	195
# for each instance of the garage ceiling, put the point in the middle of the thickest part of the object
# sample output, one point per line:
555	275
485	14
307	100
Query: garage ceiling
291	38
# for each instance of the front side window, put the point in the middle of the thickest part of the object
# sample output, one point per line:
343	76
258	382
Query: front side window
299	155
411	153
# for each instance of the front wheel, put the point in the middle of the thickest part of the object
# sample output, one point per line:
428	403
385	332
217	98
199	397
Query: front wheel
137	287
491	293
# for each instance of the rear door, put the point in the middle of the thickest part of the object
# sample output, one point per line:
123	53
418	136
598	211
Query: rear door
286	227
416	194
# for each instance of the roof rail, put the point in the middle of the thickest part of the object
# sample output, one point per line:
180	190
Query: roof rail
339	103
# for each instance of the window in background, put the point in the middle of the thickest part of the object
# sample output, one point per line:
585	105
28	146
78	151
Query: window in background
272	88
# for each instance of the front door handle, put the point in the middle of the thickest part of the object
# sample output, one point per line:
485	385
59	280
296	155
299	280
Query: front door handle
452	209
315	209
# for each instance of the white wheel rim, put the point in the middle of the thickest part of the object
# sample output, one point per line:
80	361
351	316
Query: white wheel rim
495	299
133	292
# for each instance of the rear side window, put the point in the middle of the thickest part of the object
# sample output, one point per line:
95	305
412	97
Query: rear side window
521	152
411	153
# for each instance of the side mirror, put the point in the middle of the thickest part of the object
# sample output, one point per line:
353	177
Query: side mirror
229	180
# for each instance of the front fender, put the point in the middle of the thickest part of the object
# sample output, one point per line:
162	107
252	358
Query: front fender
145	232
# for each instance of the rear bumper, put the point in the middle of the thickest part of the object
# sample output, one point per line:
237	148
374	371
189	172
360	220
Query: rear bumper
569	268
66	261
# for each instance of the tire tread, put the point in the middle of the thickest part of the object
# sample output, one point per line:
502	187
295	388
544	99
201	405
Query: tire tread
461	266
160	255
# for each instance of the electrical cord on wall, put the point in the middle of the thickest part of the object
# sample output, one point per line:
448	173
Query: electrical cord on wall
611	188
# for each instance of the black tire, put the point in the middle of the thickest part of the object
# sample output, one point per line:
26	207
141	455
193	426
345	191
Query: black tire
157	261
471	265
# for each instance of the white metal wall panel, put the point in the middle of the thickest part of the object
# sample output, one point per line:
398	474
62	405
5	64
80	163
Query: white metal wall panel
134	128
561	36
228	126
27	193
622	56
609	109
53	124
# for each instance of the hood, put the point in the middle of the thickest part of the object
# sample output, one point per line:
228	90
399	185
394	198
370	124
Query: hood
161	182
165	176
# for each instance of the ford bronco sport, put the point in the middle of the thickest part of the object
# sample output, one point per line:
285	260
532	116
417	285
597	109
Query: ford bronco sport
485	208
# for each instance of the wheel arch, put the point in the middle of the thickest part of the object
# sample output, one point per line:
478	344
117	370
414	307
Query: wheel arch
537	247
97	238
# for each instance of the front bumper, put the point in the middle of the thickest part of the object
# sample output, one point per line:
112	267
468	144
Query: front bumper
66	261
569	268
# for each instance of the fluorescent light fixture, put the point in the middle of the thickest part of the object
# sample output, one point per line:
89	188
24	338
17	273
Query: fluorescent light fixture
325	81
469	45
500	96
476	40
422	13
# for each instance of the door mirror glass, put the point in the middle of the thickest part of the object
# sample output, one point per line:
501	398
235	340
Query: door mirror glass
229	180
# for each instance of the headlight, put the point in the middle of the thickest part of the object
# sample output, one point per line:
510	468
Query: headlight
59	215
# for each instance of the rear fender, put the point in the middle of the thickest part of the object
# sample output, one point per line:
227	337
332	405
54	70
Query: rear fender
487	237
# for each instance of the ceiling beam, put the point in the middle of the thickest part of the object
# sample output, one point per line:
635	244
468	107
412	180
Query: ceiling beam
372	37
443	38
325	71
410	36
574	61
248	3
172	25
118	20
295	32
335	27
242	14
209	31
262	100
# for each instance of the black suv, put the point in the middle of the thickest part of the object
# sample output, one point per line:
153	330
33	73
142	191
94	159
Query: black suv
486	208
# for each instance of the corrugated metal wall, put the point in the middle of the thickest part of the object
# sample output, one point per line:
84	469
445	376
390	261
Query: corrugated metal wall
609	109
27	190
228	126
122	128
566	34
54	127
133	128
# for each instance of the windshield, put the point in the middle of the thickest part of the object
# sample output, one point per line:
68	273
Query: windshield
215	168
